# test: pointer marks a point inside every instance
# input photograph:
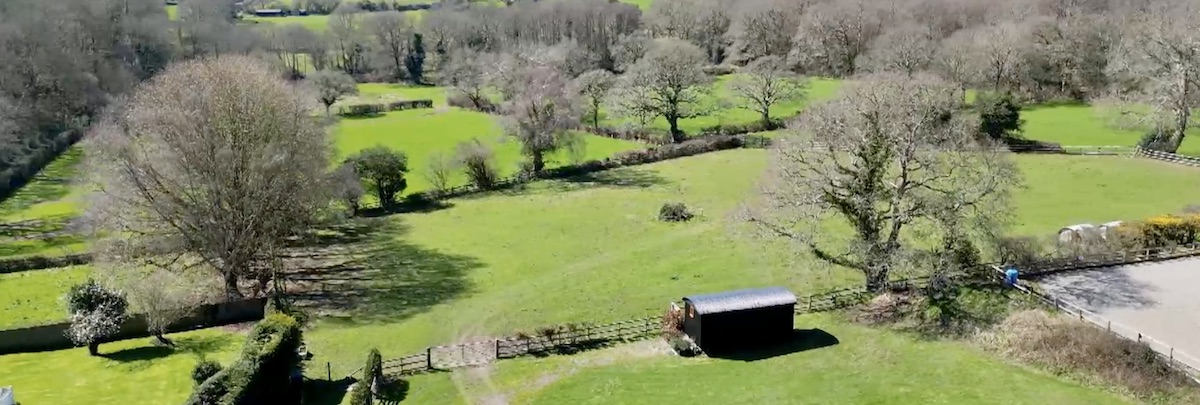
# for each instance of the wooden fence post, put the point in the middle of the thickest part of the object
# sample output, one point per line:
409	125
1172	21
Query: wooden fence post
497	349
328	371
429	358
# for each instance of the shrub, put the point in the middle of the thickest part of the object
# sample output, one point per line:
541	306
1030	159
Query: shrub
718	70
384	169
1018	250
96	313
363	392
409	104
478	163
739	129
1166	230
672	322
262	374
457	99
204	370
999	115
362	110
674	212
1065	345
1158	139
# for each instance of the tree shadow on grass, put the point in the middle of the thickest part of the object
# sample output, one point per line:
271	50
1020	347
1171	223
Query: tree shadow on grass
199	346
616	178
798	341
381	279
1101	289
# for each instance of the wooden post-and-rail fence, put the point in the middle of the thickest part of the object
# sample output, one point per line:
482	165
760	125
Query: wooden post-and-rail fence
559	339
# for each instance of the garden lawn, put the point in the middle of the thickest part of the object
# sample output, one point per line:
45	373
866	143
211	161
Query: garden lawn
1078	124
35	297
642	4
130	372
592	250
865	366
728	110
421	133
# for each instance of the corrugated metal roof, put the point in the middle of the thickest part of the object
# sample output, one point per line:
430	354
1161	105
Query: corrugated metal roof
741	299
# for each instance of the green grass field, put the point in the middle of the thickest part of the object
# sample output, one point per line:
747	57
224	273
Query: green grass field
316	23
561	251
725	113
1074	124
866	366
35	297
368	92
49	194
128	372
424	132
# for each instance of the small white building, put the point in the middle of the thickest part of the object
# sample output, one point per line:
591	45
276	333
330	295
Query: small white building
1108	228
1077	233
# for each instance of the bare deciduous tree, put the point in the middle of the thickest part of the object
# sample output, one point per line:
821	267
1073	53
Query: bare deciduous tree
593	86
478	162
891	158
764	27
331	86
345	29
543	115
832	35
1157	62
765	83
165	297
668	82
999	53
392	32
467	74
907	49
213	165
438	170
701	22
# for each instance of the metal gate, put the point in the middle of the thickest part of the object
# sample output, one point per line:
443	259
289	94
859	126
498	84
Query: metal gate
462	355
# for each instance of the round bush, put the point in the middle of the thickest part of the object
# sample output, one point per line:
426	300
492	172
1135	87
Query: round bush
674	212
204	370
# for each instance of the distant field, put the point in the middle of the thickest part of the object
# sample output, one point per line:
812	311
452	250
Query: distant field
424	132
726	112
384	91
865	366
642	4
34	297
1084	125
49	194
313	22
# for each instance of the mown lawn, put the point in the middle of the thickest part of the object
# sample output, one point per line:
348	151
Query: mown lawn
315	23
35	297
592	250
49	194
865	366
128	372
424	132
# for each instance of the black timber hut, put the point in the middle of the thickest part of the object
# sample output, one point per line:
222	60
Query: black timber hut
737	319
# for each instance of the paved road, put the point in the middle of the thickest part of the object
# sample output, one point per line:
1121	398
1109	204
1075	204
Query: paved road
1160	299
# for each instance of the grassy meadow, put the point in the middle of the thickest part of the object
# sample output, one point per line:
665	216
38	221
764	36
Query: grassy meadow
864	366
586	249
128	372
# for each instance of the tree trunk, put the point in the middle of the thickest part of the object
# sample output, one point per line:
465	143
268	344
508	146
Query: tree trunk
676	134
876	280
231	286
766	118
94	348
539	162
163	339
596	117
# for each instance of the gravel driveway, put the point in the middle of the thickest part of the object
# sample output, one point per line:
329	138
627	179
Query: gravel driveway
1161	300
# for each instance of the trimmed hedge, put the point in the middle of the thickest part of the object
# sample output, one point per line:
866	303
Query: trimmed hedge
739	129
368	110
42	262
263	372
